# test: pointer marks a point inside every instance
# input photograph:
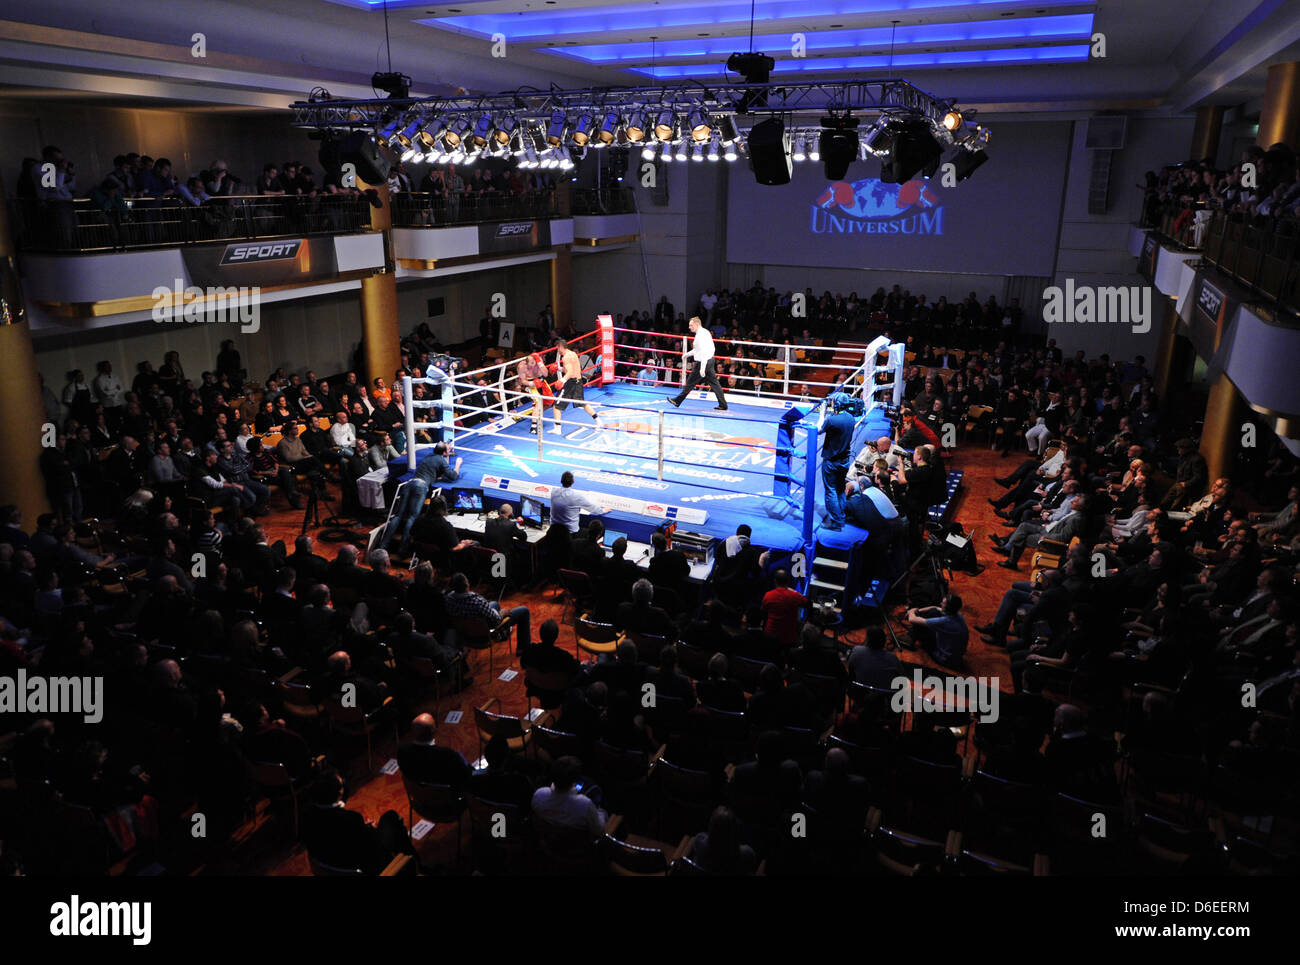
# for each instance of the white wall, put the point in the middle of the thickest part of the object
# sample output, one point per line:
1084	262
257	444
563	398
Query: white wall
312	333
1093	248
91	136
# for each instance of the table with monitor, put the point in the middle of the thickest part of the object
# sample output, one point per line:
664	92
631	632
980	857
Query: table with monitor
467	512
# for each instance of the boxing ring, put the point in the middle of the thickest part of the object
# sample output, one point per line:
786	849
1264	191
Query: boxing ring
646	461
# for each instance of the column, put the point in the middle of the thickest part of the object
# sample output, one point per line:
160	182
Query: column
1224	414
1205	135
562	287
1279	117
380	333
1163	363
21	481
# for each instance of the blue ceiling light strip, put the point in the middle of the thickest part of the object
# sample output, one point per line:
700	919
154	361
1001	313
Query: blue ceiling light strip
1077	27
956	58
542	24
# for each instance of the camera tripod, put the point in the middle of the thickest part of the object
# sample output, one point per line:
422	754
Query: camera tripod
316	493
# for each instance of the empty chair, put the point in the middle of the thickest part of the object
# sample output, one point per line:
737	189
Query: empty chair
593	637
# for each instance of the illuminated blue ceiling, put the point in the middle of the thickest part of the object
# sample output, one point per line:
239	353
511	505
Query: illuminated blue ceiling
688	38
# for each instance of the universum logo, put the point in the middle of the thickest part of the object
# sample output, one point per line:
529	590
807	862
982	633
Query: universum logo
1085	304
875	207
102	919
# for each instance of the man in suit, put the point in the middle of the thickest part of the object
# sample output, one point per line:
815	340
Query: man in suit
1063	529
738	568
310	568
668	567
407	644
339	837
640	615
424	762
280	607
343	572
506	536
589	550
873	665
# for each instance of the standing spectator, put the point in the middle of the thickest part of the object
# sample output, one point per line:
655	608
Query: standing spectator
781	605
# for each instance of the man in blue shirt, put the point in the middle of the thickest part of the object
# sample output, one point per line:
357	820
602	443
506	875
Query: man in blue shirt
410	499
837	451
941	630
567	504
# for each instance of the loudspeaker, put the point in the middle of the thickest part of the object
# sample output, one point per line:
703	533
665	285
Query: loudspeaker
769	152
372	161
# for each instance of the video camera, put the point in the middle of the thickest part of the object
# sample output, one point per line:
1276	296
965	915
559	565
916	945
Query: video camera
852	404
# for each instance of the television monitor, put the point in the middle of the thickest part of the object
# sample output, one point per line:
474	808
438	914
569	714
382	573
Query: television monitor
532	510
466	501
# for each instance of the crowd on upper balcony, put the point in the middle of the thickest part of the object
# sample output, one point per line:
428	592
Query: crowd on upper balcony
1264	185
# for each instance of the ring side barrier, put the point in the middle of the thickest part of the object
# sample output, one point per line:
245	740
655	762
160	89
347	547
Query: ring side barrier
796	452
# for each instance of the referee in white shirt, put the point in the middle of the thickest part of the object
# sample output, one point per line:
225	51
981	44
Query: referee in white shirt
702	368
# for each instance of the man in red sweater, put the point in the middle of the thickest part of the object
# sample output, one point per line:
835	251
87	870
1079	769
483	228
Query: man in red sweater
781	605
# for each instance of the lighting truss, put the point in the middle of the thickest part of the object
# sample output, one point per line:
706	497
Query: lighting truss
586	111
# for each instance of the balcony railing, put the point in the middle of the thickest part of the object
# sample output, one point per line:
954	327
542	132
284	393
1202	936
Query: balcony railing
417	209
598	201
81	225
1260	253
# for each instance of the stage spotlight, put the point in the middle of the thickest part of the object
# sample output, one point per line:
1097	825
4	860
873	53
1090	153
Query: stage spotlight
880	139
713	147
915	150
769	152
517	144
505	130
682	154
608	129
555	130
582	128
482	130
665	125
699	125
455	132
400	141
799	154
838	151
426	143
729	149
727	128
967	161
648	153
566	162
666	154
635	129
814	148
698	153
952	120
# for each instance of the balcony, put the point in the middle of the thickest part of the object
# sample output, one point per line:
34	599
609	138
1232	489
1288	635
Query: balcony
1259	253
420	210
80	226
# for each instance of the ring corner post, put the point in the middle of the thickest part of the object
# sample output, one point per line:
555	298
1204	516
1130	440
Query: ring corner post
408	396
